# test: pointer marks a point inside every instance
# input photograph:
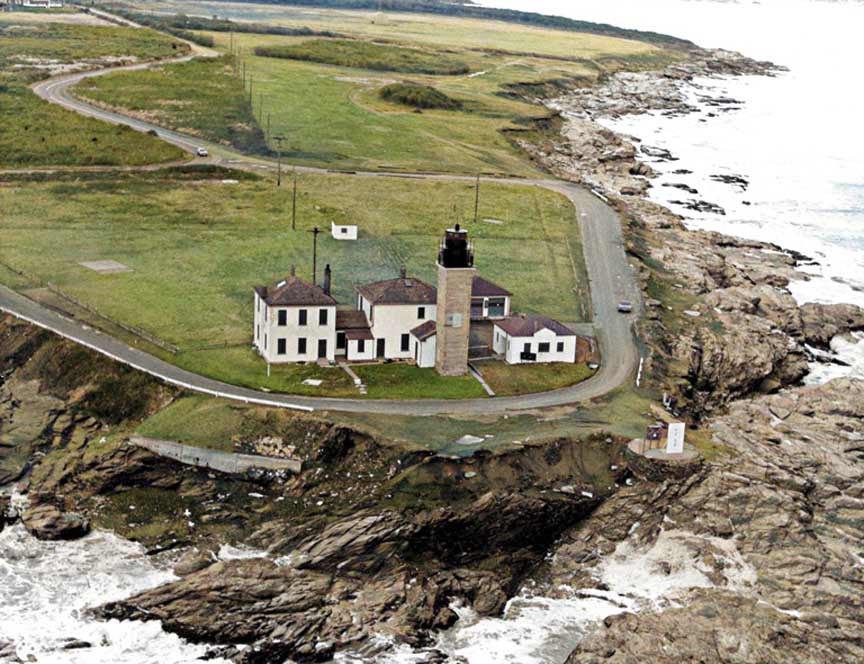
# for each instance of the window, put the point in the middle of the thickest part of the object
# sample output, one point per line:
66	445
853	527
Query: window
283	318
526	348
343	230
257	331
302	315
322	317
280	347
301	346
406	343
361	345
265	341
340	340
421	313
543	347
560	346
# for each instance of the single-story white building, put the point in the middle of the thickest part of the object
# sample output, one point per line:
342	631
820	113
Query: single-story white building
489	301
394	307
354	338
343	232
521	339
424	340
38	4
295	321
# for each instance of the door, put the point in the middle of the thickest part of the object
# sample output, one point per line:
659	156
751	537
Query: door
381	346
322	348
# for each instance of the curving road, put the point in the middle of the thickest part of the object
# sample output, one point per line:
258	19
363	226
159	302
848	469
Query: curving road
611	279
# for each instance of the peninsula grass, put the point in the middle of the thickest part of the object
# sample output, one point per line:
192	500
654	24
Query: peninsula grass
512	379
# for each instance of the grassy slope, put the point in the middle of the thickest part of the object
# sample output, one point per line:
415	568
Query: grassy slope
507	380
197	248
318	107
34	133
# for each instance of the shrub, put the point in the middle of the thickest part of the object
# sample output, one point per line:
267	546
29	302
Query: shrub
418	96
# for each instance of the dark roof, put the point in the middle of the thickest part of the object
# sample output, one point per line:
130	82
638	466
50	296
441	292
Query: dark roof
359	333
351	319
293	291
425	330
480	287
407	290
528	326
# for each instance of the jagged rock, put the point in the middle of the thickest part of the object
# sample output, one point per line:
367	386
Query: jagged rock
47	522
823	322
8	653
194	560
7	516
784	498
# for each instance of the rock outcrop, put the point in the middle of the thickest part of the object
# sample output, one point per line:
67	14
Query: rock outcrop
47	522
786	494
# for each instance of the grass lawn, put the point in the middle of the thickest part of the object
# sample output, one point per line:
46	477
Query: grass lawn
406	381
509	379
201	97
35	133
317	105
196	247
197	420
361	54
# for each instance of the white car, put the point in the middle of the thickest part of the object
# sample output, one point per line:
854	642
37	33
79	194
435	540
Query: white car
202	152
625	306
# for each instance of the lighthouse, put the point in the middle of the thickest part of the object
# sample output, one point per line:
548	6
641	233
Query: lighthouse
455	277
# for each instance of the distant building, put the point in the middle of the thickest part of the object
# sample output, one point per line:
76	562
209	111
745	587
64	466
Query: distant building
394	307
521	339
343	232
37	4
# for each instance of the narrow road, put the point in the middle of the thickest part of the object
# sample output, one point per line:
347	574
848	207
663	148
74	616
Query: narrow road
611	279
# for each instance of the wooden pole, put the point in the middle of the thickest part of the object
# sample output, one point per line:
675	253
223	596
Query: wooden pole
477	198
315	232
294	202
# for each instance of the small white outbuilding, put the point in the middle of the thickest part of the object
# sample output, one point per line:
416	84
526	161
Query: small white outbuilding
343	232
521	339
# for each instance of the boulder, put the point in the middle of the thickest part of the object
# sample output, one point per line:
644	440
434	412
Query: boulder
47	522
823	322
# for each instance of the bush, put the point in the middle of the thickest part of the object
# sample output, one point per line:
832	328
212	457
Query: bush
419	96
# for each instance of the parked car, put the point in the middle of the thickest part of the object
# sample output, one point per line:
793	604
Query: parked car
625	306
202	152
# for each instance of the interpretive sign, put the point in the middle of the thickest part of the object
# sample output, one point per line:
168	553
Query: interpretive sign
675	439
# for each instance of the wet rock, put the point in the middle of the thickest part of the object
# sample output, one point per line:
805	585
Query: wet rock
736	180
194	560
47	522
682	187
823	322
8	653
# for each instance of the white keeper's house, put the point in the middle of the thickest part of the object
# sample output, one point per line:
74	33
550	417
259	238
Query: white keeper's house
520	339
399	319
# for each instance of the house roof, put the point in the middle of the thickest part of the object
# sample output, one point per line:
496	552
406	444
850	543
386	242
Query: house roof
357	333
425	330
528	326
351	319
293	291
480	287
404	290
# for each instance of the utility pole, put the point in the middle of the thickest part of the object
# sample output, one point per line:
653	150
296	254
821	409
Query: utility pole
294	200
477	198
251	80
279	140
315	231
261	104
268	127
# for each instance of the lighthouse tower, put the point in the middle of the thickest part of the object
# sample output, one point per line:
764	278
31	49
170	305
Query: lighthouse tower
455	277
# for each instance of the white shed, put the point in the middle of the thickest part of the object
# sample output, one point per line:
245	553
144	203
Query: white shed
521	339
343	232
424	344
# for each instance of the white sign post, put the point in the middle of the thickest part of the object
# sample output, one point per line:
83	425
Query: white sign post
675	439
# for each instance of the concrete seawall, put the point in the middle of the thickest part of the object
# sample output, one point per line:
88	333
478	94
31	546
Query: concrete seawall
224	462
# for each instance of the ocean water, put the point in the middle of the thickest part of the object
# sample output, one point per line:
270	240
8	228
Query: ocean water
795	138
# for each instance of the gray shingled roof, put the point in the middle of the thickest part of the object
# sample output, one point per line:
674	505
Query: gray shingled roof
406	290
528	326
293	292
425	330
481	287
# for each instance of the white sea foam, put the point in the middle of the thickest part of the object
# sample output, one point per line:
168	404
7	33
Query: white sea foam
45	588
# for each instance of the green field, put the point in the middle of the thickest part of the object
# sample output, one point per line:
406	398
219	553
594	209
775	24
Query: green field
196	249
361	54
511	379
34	133
318	105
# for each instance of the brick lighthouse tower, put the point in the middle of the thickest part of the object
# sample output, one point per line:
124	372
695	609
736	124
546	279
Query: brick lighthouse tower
455	277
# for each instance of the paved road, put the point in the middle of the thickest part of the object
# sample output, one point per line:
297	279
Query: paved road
610	274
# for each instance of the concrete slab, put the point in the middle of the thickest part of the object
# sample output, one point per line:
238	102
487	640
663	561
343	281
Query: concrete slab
106	267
